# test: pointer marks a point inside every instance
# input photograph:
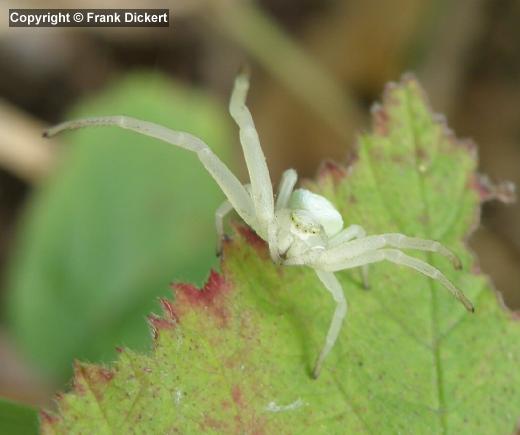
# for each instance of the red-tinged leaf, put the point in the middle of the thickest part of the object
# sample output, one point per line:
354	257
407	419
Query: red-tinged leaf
236	356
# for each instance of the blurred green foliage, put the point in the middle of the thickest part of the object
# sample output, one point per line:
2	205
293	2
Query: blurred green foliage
122	217
16	419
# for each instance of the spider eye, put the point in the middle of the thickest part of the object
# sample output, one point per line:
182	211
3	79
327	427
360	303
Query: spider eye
304	223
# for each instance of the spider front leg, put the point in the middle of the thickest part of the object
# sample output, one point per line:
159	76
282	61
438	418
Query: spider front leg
261	186
235	192
332	284
352	232
368	250
395	240
398	257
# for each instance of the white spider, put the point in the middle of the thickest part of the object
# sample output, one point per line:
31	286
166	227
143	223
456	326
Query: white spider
301	227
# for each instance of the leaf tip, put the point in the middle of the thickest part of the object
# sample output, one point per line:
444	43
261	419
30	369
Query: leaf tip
47	417
211	296
78	378
487	190
168	309
92	373
215	285
158	324
47	421
381	118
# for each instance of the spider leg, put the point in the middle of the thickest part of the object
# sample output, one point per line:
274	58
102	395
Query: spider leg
261	187
347	234
395	240
287	182
230	185
332	284
398	257
220	214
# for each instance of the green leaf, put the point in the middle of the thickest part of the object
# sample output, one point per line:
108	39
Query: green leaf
236	357
122	216
17	419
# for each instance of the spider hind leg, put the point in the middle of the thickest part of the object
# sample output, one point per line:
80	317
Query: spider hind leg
332	284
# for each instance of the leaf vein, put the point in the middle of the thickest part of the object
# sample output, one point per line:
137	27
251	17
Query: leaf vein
434	305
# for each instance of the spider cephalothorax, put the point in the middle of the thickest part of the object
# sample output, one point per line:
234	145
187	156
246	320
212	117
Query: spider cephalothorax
305	221
301	228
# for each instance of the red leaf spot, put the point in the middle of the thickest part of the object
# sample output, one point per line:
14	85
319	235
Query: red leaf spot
251	238
79	388
212	424
78	379
169	310
105	374
92	374
207	295
47	418
333	170
351	160
380	119
236	393
210	296
91	377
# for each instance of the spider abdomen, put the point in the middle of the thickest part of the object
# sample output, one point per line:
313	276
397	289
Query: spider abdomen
320	208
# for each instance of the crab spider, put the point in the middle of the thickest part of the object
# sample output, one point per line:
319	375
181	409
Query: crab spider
301	228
